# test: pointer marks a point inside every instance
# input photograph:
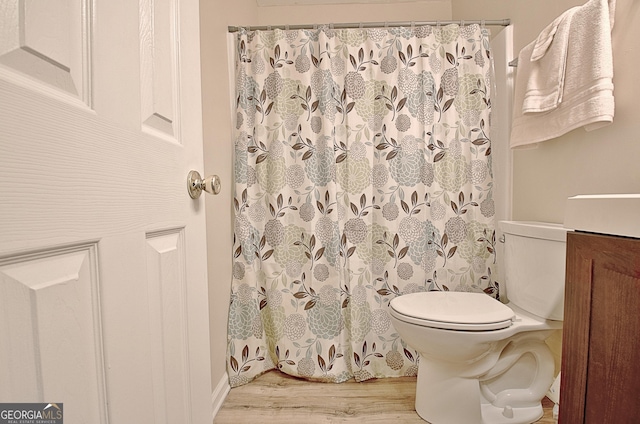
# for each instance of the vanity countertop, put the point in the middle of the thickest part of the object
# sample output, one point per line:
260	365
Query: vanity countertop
616	214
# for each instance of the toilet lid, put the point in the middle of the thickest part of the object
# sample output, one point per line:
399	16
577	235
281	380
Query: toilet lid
453	310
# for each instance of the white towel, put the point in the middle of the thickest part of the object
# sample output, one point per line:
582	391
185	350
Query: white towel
587	94
545	83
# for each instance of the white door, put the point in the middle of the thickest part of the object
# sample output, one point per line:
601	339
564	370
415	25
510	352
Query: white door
103	293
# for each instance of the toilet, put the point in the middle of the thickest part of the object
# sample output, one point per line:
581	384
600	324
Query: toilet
483	361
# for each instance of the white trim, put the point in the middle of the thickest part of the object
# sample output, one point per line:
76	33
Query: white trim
220	394
501	102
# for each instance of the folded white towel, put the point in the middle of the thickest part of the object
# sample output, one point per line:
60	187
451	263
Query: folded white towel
545	83
587	94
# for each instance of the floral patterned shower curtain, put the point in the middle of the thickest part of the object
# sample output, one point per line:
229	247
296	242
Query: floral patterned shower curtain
362	172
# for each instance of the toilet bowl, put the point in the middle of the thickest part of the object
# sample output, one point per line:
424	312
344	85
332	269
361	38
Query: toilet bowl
483	361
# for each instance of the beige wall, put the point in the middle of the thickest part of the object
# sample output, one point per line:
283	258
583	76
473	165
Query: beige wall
373	12
602	161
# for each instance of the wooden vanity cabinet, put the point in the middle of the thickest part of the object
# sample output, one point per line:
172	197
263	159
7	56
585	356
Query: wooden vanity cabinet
601	337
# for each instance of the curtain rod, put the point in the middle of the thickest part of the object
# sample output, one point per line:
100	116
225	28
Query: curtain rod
488	22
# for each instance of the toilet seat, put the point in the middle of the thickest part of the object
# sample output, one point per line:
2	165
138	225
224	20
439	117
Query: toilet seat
453	311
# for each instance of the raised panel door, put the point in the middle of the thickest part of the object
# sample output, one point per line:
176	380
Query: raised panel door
103	288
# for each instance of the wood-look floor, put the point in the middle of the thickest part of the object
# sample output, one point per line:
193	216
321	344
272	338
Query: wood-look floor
278	398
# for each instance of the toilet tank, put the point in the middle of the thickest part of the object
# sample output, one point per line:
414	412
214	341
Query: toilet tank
534	262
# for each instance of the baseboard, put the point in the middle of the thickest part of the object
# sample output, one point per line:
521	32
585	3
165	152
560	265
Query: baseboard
220	393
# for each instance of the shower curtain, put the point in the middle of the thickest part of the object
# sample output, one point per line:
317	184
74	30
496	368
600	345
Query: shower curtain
362	173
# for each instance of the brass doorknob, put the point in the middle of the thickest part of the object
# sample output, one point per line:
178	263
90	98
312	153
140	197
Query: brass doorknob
195	184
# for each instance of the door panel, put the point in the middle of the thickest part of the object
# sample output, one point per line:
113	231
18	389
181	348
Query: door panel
166	286
51	327
103	285
49	42
158	67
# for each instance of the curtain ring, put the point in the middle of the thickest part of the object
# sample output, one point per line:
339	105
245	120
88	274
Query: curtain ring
482	23
438	24
413	25
331	26
386	24
286	27
462	23
361	25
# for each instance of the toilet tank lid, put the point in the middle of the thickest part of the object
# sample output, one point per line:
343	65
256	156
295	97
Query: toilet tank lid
453	307
533	229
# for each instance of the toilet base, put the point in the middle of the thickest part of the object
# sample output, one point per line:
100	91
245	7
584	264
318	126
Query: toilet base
495	415
486	391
